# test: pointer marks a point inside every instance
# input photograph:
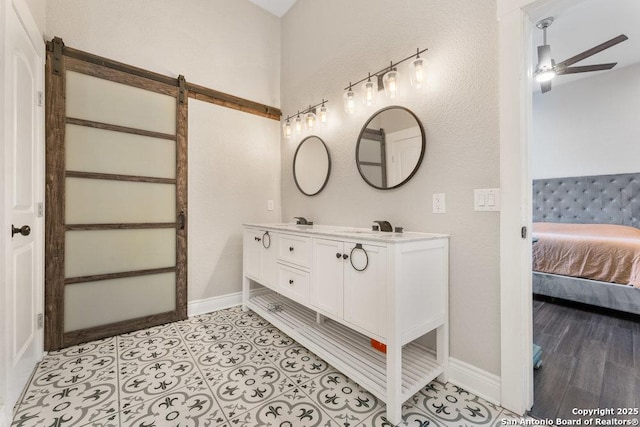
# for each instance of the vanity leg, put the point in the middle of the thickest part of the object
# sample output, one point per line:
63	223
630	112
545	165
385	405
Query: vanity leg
442	355
246	290
394	384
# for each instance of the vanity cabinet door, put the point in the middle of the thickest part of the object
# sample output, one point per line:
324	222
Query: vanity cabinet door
327	277
365	291
260	257
252	254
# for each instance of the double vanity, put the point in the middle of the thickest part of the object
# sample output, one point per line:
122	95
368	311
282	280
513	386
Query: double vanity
350	295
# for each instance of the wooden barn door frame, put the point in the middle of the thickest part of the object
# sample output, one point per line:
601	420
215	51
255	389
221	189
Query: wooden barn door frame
59	59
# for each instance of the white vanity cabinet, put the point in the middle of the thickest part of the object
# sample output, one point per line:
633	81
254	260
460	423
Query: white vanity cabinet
336	289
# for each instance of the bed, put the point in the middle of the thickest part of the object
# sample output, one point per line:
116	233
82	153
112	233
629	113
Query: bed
587	233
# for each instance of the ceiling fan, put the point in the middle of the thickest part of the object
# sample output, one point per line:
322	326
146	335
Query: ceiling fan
547	68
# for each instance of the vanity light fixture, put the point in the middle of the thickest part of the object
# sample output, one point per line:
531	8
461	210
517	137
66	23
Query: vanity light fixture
369	91
298	124
349	98
388	79
416	71
309	117
323	113
286	129
390	82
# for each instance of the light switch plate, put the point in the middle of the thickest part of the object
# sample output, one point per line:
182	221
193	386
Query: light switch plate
439	204
486	199
269	205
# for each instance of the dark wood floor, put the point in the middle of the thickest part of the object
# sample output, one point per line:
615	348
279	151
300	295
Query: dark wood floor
590	359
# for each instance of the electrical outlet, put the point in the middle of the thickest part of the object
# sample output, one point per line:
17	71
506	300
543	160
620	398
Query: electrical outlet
269	205
439	205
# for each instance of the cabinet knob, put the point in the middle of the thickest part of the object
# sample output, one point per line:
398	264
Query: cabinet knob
345	256
338	255
290	248
257	239
291	281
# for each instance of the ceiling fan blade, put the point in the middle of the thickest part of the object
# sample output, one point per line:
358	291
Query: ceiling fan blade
545	86
544	56
589	52
587	68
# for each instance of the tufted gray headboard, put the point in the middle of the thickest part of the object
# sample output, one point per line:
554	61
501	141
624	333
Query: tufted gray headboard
602	199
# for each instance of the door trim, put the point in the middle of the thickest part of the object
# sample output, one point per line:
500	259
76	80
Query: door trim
57	64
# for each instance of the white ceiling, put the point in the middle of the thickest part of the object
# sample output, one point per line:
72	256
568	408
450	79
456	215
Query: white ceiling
582	24
277	7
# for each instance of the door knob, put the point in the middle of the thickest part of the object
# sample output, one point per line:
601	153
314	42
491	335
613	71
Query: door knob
25	230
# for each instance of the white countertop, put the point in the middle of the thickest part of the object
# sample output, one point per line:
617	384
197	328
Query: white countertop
350	232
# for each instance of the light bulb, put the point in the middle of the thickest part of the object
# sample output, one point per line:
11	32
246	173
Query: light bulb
417	72
322	114
286	129
390	81
349	98
298	125
544	74
310	118
369	90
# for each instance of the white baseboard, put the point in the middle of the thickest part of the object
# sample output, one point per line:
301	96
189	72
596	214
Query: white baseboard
475	380
207	305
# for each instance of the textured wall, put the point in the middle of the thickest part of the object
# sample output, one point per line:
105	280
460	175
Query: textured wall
324	46
588	127
234	163
233	170
38	11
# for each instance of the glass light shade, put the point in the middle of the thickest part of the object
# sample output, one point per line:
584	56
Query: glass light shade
310	119
416	72
323	114
544	74
298	125
369	91
286	129
391	83
349	98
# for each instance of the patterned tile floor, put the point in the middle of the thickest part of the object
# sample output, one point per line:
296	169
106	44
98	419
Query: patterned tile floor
227	368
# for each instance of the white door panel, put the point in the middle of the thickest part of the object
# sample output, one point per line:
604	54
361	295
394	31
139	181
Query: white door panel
23	186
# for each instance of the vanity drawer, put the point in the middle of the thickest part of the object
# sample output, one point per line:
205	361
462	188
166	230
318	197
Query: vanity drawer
294	249
293	283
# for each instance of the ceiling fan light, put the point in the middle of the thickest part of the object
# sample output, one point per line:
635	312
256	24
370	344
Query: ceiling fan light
544	75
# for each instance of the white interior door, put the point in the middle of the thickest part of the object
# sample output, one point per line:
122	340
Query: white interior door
403	152
23	180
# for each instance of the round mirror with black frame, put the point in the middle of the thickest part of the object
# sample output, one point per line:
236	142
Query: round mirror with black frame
390	148
311	166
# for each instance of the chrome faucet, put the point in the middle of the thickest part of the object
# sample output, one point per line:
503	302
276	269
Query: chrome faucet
300	220
384	225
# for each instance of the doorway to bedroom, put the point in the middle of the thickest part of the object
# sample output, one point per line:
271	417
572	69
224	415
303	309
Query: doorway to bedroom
586	210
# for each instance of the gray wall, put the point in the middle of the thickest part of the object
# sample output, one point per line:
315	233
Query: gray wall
234	158
325	44
588	127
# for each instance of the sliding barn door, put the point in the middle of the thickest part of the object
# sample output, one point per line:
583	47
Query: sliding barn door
116	199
